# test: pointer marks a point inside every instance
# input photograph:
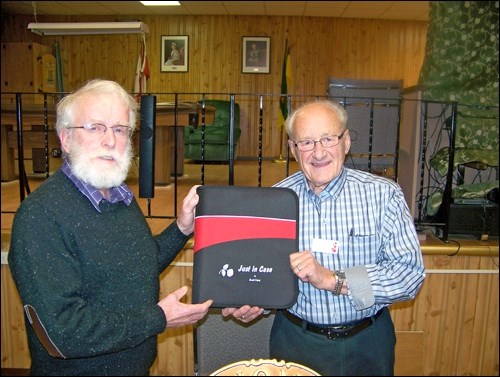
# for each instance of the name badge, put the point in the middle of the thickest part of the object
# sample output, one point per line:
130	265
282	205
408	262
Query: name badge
325	246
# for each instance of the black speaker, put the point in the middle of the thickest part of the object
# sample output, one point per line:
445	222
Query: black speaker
147	147
373	108
478	220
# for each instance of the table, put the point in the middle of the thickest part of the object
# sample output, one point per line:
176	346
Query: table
34	116
188	113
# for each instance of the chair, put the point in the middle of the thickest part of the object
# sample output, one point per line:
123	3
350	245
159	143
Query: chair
181	57
219	341
264	367
216	134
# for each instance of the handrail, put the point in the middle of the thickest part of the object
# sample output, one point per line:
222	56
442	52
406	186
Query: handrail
260	104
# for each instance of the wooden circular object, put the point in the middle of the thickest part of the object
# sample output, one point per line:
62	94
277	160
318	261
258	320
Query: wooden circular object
264	367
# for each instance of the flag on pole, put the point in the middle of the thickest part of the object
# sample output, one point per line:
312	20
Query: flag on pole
142	72
286	80
60	85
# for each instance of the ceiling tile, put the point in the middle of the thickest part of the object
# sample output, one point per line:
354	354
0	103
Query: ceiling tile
401	10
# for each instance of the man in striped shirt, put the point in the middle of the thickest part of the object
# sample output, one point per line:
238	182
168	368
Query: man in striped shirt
358	253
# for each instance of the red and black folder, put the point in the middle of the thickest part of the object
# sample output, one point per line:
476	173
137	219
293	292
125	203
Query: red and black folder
242	241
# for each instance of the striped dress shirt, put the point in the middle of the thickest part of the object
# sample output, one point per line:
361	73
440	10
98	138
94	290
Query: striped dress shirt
367	223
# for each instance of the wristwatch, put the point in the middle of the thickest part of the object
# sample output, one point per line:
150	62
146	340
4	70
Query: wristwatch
339	281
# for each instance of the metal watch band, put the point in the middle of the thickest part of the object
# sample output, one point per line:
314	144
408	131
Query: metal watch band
340	278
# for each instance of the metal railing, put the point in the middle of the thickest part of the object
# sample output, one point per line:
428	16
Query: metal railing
256	106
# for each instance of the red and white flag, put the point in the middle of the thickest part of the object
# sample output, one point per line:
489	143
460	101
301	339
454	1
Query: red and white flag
142	71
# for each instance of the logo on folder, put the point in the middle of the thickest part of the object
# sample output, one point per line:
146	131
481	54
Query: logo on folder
252	270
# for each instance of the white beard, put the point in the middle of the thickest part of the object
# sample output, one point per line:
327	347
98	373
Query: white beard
85	168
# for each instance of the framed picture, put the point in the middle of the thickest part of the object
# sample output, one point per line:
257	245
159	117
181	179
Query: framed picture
174	53
255	57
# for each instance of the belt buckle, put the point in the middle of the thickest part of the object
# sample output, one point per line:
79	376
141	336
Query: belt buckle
332	333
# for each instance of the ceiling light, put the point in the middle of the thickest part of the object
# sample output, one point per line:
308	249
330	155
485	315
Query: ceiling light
81	28
160	3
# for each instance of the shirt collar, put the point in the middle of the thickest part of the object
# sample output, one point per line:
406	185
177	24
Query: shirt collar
333	188
116	194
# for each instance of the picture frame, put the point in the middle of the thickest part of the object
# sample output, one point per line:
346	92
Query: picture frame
256	52
174	53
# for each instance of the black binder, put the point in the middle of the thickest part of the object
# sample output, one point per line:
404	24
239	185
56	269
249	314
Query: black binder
242	241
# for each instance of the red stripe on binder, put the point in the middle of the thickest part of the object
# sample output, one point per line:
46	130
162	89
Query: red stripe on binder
211	230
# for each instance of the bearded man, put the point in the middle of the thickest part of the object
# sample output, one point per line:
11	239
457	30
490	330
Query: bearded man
82	255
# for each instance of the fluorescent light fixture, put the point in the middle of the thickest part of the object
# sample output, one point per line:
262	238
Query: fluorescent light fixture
82	28
160	3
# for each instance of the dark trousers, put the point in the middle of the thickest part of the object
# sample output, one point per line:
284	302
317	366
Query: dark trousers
368	353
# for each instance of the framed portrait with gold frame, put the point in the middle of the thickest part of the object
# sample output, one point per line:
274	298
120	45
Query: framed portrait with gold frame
174	53
256	52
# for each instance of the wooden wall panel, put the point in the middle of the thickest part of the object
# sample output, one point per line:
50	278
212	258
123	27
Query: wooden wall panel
321	48
409	353
15	353
175	346
450	329
457	310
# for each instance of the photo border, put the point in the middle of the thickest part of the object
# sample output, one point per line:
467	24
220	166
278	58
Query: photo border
264	43
182	42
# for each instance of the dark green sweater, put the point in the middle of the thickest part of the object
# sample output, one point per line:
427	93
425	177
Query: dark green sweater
92	277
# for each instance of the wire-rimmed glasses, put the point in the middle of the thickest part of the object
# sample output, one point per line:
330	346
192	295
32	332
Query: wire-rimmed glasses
326	142
100	129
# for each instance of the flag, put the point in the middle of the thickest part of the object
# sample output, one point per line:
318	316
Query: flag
286	80
60	85
142	72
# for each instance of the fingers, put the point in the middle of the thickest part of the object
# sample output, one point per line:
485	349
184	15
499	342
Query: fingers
299	260
247	314
228	311
207	304
192	196
180	293
185	221
303	264
179	314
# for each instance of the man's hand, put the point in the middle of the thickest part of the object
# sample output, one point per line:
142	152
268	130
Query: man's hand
309	270
185	220
244	314
179	314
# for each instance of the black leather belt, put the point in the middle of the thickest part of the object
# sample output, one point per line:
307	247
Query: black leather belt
333	332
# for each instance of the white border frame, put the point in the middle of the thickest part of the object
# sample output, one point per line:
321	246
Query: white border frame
182	41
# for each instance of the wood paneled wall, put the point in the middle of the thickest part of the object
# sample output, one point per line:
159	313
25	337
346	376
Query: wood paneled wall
450	329
321	48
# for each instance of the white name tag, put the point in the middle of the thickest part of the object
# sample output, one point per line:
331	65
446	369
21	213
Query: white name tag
325	246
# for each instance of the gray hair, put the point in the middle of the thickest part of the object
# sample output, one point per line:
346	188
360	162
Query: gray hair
335	107
66	107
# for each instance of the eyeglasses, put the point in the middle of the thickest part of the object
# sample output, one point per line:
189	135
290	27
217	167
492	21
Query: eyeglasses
326	142
100	129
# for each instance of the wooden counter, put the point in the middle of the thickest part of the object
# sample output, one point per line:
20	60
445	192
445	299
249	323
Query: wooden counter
35	116
459	246
449	329
169	121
